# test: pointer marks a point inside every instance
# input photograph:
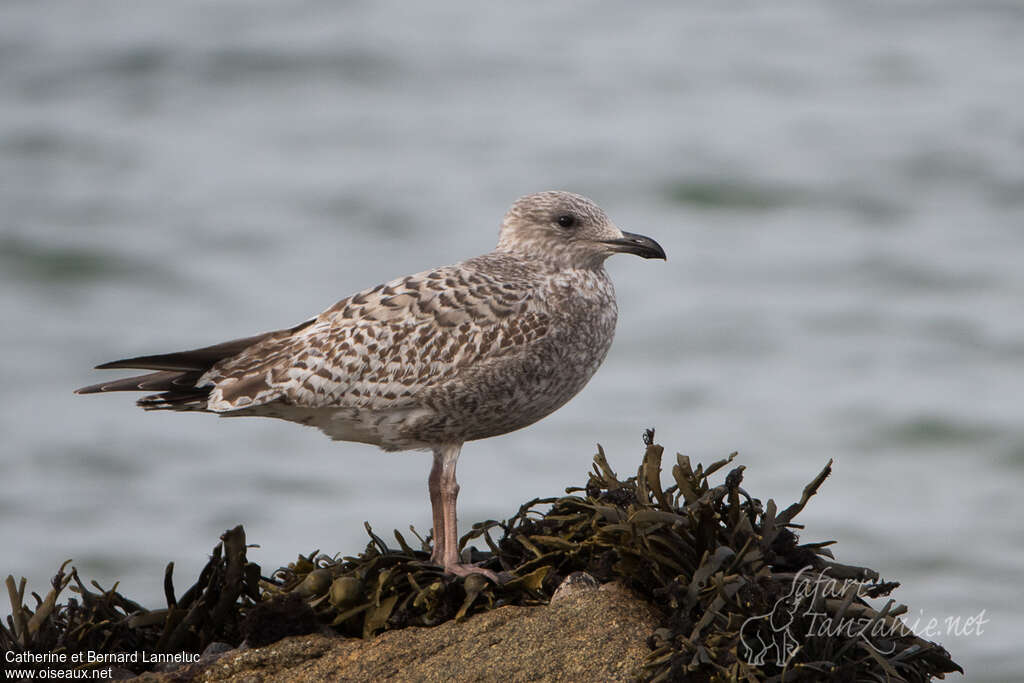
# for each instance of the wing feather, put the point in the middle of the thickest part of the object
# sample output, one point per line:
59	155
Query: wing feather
381	347
377	349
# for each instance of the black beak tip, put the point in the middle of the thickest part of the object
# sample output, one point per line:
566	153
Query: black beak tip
641	245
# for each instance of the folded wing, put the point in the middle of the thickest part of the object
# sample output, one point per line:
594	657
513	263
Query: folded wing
375	349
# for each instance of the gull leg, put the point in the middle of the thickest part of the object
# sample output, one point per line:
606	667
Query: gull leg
446	457
437	507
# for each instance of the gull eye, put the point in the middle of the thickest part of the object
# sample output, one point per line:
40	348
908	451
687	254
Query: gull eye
567	220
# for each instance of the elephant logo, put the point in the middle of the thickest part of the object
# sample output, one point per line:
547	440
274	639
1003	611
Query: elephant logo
769	635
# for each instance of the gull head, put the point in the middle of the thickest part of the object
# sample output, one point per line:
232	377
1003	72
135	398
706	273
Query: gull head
568	230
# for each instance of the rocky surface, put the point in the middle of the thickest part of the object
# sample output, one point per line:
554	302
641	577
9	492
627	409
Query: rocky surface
586	633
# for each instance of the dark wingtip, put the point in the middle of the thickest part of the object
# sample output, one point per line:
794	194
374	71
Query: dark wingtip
164	380
123	364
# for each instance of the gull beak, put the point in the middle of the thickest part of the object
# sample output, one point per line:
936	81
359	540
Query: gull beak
632	243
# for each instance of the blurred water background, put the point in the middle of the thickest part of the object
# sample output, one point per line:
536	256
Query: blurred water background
839	187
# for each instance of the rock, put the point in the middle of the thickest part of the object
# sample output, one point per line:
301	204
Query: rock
574	583
587	635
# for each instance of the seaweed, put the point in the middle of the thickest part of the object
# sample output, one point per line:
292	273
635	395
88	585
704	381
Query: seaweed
741	598
105	621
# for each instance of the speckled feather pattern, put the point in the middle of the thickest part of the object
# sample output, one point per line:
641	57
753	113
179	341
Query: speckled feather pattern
450	355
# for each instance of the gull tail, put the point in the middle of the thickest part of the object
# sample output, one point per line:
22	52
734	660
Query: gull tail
176	375
178	389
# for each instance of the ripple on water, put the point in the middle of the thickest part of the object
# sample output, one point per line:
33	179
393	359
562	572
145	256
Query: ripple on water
925	431
51	264
736	194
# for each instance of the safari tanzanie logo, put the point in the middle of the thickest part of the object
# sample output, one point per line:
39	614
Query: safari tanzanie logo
822	606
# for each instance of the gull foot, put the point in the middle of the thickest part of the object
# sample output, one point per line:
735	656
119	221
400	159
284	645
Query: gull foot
462	569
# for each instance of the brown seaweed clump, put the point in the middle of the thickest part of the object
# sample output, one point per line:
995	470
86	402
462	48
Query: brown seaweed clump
104	621
742	599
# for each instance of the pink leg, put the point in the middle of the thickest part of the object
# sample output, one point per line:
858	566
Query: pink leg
446	550
437	507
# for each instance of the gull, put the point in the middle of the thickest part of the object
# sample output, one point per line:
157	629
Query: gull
427	361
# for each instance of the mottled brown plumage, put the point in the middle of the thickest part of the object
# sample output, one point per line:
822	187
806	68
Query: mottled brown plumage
431	360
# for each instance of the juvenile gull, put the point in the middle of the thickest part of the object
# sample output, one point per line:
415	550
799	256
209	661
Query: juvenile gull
427	361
